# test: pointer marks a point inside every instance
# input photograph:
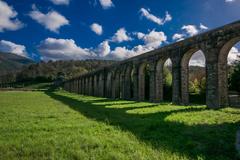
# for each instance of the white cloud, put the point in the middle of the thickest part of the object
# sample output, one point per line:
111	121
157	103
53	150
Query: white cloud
10	47
57	49
178	37
52	20
153	39
229	1
160	21
121	53
8	20
97	28
233	55
203	27
198	59
103	49
168	17
190	29
106	4
60	2
121	36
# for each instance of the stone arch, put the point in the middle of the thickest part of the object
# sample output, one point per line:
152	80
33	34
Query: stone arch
128	94
143	82
109	85
223	71
159	79
116	85
185	74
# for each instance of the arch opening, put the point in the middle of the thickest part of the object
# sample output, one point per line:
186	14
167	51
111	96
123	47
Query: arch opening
229	73
129	90
167	80
116	85
233	70
196	77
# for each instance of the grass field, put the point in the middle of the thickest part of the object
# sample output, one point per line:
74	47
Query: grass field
61	125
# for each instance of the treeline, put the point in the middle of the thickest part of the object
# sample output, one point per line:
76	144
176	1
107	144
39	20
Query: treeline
49	71
234	77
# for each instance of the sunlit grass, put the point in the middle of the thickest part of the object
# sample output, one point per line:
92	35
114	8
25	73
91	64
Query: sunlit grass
61	125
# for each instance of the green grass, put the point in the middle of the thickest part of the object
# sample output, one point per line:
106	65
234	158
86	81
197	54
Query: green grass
35	86
61	125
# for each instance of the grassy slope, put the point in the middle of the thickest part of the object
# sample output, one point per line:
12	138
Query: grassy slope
60	125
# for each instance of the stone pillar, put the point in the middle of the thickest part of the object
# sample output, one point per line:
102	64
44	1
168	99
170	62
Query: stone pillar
101	85
95	85
223	73
71	86
127	84
212	92
159	81
135	82
185	84
108	85
80	85
141	82
84	86
87	86
109	88
90	86
76	86
152	78
122	84
113	86
117	85
68	86
176	82
105	92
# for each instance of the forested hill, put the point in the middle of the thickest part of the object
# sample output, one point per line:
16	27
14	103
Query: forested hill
49	70
11	63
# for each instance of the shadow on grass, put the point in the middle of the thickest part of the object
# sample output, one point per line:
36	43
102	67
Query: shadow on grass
209	141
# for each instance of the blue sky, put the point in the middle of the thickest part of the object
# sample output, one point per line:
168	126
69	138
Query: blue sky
106	29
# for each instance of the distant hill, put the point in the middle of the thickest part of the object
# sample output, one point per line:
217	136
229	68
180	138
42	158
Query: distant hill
50	70
12	63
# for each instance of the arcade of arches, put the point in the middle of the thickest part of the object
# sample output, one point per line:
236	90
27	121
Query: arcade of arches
142	78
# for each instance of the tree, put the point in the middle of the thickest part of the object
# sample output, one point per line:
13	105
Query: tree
234	77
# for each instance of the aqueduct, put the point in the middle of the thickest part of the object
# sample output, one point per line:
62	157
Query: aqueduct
126	79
